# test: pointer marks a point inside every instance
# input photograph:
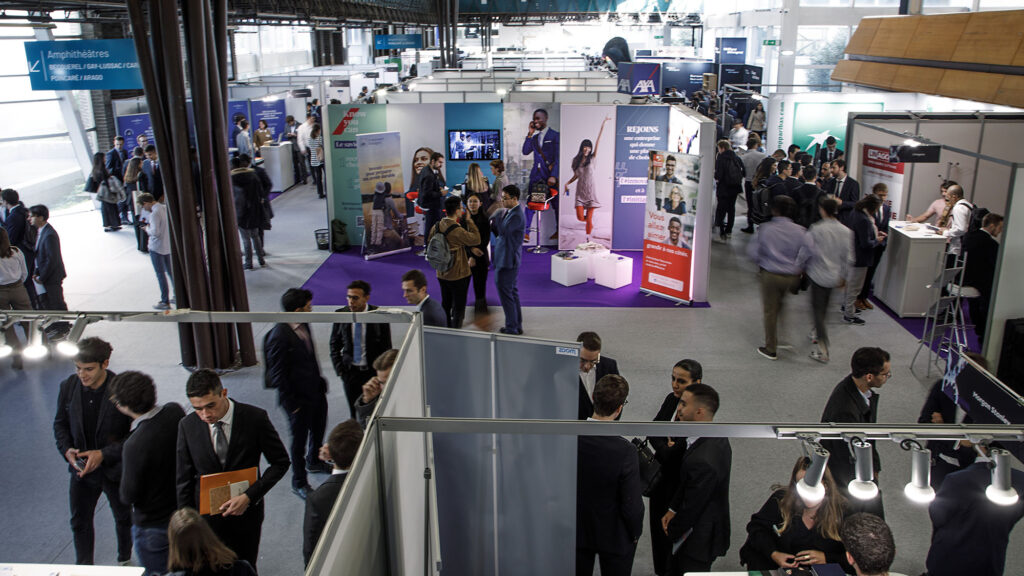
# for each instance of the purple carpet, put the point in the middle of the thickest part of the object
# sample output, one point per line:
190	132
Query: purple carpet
535	286
915	325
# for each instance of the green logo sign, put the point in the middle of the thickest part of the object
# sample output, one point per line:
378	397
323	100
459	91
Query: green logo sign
769	42
813	122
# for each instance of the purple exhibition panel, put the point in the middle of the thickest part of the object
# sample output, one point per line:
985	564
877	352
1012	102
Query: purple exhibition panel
638	130
131	125
272	112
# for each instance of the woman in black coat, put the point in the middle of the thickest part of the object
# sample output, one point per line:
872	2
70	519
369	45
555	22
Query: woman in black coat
478	260
97	179
669	453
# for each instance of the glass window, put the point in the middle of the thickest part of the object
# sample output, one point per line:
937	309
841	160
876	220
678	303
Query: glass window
31	119
817	77
12	57
832	3
821	45
32	161
19	88
874	3
947	4
1001	4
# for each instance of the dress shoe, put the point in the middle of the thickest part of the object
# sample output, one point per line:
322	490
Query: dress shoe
860	304
318	468
748	230
769	355
302	491
867	304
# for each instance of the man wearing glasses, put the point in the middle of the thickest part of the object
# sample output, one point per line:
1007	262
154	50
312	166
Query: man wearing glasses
854	400
593	367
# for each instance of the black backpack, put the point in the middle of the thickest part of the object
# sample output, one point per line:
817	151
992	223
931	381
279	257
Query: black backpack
734	172
977	218
761	211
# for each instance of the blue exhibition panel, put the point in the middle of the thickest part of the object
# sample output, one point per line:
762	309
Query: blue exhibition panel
83	65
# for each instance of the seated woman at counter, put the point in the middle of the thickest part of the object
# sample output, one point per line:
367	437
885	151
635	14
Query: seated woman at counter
936	209
788	532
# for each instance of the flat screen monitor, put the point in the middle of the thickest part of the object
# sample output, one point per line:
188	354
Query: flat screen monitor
474	144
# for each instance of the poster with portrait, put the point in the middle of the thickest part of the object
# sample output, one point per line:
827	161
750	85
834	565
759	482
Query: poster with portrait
422	128
670	218
875	168
586	175
380	183
532	156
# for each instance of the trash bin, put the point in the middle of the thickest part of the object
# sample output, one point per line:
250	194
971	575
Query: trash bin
323	238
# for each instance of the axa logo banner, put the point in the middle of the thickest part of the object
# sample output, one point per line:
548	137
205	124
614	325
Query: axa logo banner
639	79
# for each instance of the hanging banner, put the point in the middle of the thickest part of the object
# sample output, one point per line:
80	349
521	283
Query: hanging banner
638	130
344	198
381	186
270	111
587	176
639	79
669	224
875	168
83	65
730	50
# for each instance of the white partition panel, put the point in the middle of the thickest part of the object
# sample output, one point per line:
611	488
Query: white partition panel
1006	301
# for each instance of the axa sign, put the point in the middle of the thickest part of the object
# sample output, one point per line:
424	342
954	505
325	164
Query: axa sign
644	87
639	79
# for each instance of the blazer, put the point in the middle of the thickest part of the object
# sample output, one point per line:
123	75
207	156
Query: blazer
293	369
16	224
938	401
849	195
545	155
378	341
114	161
609	501
864	239
670	457
883	223
701	500
49	263
970	534
509	227
252	437
823	155
433	313
982	252
604	367
319	504
112	427
847	405
430	185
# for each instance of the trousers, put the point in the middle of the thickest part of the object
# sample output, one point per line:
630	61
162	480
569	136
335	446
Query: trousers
83	494
773	290
307	426
820	296
453	300
506	279
854	282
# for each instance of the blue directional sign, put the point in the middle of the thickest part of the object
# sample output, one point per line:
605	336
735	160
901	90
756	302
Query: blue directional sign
83	65
397	41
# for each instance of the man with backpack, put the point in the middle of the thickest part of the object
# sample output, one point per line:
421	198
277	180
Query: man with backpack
729	174
446	253
751	158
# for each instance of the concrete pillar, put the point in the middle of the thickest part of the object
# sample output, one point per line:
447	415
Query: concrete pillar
787	41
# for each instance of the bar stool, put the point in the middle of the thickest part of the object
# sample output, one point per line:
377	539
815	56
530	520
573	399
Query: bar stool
539	208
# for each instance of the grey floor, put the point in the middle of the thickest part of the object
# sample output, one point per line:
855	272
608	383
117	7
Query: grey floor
106	273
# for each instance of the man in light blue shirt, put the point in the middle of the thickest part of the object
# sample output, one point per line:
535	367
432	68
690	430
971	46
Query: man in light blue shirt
159	246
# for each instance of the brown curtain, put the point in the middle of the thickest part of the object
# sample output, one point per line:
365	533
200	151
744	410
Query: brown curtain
205	251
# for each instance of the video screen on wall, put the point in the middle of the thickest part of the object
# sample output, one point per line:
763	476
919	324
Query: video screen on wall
474	145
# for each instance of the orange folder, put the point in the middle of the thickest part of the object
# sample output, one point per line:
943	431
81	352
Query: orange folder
216	489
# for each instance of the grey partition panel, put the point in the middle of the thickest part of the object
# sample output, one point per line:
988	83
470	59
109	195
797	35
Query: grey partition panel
536	474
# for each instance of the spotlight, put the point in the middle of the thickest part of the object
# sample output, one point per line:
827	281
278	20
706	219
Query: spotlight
919	488
863	487
787	52
69	346
809	487
35	350
5	348
1001	491
501	92
911	142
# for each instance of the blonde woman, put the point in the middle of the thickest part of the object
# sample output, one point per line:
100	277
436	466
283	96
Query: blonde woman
476	183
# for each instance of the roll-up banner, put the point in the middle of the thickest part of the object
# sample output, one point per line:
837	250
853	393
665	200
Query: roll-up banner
381	184
344	198
670	216
875	168
236	108
130	126
638	130
270	111
587	175
532	152
985	399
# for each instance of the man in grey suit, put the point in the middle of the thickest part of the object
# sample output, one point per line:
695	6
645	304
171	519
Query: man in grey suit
509	227
414	288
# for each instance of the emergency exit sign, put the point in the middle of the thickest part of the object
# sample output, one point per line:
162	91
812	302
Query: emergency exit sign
769	42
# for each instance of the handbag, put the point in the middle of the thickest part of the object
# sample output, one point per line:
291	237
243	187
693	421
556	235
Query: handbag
650	468
539	192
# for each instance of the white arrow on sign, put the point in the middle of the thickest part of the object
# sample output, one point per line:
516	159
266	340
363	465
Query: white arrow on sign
34	67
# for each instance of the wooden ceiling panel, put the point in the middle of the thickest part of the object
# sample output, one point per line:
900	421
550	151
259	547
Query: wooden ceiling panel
991	38
936	37
876	74
860	43
966	85
917	79
893	36
1011	92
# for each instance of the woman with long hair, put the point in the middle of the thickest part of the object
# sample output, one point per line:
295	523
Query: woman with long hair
757	119
99	179
500	181
420	158
764	171
315	145
866	237
194	549
13	295
476	183
583	175
478	260
789	531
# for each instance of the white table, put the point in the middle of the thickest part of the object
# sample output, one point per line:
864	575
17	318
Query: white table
277	161
613	271
593	251
568	272
63	570
909	265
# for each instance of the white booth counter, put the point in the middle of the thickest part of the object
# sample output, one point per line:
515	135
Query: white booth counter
277	161
62	570
908	267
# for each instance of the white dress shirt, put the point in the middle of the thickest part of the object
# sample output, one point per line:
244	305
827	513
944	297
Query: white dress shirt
228	418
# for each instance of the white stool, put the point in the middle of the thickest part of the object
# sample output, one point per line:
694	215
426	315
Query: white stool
589	252
613	271
568	271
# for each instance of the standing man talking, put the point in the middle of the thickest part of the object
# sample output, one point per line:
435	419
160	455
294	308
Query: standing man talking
432	188
509	227
354	346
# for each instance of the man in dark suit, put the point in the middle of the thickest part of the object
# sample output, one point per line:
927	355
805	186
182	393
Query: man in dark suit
432	187
21	235
593	367
341	446
292	368
222	435
970	533
697	521
843	187
778	182
882	216
854	401
49	273
609	502
414	289
829	152
115	161
90	431
151	168
543	142
982	250
509	227
354	347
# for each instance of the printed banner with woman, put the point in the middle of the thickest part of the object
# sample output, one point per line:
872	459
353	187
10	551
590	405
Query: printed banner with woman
587	166
381	185
671	214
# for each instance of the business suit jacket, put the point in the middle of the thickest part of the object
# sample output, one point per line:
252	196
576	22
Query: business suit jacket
982	252
849	194
823	155
864	239
882	223
969	533
430	185
49	262
114	161
609	501
509	227
701	500
293	369
847	405
378	341
938	401
433	313
545	155
604	367
112	427
16	224
319	504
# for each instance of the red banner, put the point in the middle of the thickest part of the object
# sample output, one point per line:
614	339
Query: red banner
669	224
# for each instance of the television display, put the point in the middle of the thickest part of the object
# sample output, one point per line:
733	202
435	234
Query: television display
474	144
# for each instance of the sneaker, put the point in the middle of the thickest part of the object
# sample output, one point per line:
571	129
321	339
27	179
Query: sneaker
813	336
421	253
161	306
853	320
769	355
819	356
